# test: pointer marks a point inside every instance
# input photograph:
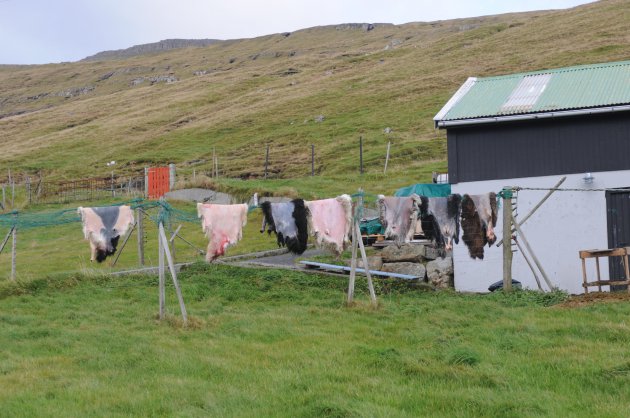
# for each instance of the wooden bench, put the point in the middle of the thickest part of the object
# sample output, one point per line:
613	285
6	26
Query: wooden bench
615	252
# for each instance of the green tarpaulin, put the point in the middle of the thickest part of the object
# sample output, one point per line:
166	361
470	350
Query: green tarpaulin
428	190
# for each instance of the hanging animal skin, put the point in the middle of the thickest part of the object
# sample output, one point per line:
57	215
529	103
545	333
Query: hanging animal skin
330	222
440	219
223	226
479	218
288	221
399	216
103	227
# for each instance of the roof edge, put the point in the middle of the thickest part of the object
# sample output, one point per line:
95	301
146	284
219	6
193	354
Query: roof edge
441	124
461	92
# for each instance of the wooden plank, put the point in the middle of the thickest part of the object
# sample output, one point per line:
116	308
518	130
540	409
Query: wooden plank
334	267
606	283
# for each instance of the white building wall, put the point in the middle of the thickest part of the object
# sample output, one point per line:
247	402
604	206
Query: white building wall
565	224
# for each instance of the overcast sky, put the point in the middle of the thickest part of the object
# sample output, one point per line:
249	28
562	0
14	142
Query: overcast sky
43	31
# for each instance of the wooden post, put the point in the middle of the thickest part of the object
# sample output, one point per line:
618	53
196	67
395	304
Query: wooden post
161	274
146	182
353	267
361	154
172	176
28	189
14	253
366	267
389	143
171	267
312	160
12	193
266	161
140	221
507	238
214	159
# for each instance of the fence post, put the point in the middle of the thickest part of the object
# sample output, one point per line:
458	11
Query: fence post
13	253
361	154
28	189
12	193
507	239
113	191
389	143
266	161
146	182
312	160
4	201
171	176
139	218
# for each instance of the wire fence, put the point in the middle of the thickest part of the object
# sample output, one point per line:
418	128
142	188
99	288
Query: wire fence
28	190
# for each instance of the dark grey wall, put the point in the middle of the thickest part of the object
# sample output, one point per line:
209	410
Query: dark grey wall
539	147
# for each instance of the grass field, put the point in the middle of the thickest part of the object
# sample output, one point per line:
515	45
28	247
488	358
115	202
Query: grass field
277	343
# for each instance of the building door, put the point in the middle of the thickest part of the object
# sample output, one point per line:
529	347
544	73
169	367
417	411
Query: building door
618	213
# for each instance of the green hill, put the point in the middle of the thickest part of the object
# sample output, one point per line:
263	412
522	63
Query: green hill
325	86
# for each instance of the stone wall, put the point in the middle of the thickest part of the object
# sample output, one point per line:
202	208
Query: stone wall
414	259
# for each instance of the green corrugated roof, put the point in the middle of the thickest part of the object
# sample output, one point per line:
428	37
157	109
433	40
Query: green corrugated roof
581	87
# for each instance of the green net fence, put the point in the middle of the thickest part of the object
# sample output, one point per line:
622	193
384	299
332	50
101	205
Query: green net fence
158	211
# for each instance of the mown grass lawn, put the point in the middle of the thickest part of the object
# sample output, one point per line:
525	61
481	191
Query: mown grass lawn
278	343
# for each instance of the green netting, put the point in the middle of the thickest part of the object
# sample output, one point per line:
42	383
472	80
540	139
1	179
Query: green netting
25	220
162	212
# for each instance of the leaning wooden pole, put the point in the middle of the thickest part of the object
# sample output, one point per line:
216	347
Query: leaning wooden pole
535	208
353	268
6	239
171	267
531	253
161	275
507	238
122	247
366	267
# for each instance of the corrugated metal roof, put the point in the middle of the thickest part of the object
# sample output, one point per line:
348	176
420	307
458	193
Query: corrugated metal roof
581	87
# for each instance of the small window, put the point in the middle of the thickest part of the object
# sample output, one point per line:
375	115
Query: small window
525	95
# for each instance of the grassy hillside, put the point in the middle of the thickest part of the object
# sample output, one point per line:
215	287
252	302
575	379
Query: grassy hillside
67	120
271	343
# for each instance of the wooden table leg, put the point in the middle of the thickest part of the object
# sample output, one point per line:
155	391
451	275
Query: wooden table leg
599	276
625	266
584	275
